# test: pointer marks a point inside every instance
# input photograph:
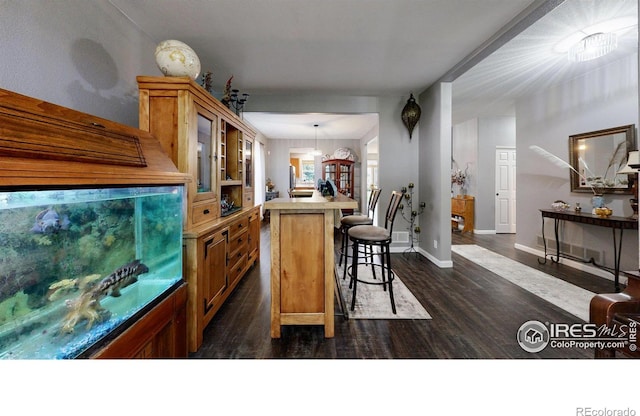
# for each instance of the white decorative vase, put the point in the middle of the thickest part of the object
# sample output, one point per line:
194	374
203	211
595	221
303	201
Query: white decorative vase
177	59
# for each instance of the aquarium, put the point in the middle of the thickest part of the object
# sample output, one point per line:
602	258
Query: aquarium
78	266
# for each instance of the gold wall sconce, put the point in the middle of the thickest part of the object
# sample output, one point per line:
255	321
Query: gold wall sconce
411	114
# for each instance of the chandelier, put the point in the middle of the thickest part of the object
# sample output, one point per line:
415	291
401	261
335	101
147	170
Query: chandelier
593	46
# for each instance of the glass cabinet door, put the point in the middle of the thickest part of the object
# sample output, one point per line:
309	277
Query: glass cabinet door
248	166
206	169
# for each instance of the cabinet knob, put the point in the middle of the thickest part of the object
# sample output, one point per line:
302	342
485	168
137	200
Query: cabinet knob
206	211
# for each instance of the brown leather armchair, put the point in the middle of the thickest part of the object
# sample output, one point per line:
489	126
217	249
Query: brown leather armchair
617	309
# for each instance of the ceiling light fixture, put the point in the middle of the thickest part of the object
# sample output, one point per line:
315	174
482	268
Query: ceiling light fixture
593	46
316	151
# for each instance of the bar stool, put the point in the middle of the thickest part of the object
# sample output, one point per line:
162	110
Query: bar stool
373	235
349	221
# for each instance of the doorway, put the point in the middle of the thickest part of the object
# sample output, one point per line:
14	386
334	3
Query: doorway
505	202
372	180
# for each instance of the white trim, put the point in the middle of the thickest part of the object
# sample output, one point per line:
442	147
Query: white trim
571	263
443	264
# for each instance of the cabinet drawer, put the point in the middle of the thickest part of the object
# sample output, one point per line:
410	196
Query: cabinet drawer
236	270
236	255
248	199
457	205
203	212
238	241
238	226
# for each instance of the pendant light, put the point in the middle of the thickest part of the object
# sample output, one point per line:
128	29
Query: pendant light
316	151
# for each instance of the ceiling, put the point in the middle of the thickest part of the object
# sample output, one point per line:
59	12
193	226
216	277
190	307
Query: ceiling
371	48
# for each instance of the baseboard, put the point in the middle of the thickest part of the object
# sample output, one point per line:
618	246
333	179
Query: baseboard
571	263
484	231
443	264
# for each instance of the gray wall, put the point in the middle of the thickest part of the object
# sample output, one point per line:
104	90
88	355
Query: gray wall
86	56
434	173
278	157
474	145
492	132
398	162
547	120
464	155
79	54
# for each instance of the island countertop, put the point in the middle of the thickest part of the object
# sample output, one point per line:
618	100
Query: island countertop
312	202
302	258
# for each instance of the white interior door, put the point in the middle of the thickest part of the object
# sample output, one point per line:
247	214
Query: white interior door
505	190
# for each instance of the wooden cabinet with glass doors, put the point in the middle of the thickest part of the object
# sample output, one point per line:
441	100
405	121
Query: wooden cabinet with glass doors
340	171
208	141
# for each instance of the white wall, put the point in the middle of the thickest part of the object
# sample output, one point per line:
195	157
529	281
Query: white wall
79	54
604	98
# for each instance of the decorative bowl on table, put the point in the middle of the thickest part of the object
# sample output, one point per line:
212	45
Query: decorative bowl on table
560	206
603	212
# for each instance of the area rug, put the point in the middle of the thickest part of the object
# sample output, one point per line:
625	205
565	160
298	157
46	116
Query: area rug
372	302
567	296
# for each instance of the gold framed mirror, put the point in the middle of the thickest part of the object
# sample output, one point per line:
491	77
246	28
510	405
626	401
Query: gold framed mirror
598	156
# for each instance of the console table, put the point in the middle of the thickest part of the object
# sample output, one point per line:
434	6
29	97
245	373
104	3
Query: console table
462	207
617	224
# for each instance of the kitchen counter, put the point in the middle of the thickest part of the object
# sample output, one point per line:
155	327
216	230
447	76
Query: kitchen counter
310	199
302	259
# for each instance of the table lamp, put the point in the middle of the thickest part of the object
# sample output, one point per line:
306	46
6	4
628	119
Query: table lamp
631	169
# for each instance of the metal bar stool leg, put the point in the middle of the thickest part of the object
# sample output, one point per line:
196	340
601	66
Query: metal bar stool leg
354	274
390	279
345	250
343	230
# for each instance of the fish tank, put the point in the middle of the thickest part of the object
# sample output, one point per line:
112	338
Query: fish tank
79	266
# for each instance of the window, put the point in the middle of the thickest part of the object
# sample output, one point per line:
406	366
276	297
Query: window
308	171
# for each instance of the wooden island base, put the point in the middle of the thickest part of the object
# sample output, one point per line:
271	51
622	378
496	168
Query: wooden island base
302	260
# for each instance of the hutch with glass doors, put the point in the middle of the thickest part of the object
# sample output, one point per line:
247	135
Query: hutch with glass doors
340	171
91	224
222	226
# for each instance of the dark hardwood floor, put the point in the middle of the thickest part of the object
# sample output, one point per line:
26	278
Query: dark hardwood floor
476	314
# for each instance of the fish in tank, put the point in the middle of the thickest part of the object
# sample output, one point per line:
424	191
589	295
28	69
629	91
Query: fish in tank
78	265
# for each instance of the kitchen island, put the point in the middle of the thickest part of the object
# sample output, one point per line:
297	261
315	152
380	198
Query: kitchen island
302	259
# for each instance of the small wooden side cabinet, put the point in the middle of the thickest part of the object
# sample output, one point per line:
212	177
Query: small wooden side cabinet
462	208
